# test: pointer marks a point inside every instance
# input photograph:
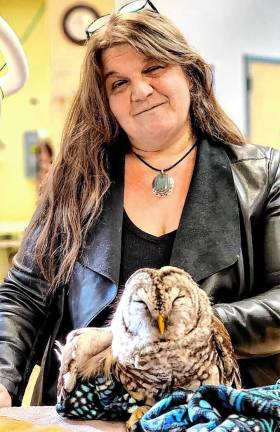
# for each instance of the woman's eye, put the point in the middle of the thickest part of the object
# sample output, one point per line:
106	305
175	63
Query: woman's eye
154	68
118	84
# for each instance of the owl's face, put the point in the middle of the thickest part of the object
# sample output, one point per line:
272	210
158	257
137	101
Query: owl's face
160	304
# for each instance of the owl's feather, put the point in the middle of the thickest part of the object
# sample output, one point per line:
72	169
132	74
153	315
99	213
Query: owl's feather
164	334
194	349
226	358
85	353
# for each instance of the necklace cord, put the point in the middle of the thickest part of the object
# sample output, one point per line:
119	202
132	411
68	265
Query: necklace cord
172	166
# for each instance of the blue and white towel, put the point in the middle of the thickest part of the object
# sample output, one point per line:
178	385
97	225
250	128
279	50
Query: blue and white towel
210	408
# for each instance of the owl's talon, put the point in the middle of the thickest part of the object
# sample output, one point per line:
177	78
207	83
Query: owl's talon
136	416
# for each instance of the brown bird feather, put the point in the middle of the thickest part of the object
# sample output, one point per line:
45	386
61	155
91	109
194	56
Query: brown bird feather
163	334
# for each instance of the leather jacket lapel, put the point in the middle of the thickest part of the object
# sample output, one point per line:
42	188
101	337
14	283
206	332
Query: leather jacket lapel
103	250
208	238
94	284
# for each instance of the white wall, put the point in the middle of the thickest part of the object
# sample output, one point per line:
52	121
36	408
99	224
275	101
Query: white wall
223	31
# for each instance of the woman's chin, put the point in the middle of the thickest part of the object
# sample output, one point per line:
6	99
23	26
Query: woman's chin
154	139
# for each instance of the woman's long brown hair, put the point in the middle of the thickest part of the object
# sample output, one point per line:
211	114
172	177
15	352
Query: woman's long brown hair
74	192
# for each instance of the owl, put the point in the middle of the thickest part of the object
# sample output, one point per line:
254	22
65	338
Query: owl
163	335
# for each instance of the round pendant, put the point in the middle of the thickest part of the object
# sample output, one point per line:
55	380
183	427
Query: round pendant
162	185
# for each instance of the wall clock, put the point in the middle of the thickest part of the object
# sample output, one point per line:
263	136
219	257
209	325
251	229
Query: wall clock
76	20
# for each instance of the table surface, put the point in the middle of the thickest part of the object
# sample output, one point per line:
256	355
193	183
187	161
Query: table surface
47	416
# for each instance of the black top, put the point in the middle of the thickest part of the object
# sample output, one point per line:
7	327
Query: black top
140	249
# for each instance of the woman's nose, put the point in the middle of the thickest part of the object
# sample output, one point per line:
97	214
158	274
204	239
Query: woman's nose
141	89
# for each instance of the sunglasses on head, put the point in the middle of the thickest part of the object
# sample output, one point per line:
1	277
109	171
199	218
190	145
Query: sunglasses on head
134	6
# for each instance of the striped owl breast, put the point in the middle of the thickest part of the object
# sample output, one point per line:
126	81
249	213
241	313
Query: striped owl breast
162	368
146	380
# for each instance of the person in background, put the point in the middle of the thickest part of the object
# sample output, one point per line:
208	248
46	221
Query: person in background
151	172
44	158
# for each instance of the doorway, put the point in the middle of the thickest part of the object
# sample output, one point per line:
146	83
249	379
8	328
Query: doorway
263	100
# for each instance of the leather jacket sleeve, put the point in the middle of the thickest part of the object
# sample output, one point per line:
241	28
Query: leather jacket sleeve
23	316
254	323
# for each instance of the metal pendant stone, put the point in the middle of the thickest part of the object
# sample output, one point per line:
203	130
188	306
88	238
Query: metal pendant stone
162	185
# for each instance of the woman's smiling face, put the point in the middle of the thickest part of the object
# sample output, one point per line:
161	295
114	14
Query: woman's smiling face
149	98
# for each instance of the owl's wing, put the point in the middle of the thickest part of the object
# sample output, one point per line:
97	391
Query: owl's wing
85	353
227	364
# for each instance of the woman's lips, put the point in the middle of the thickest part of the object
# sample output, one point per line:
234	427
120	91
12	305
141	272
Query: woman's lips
149	109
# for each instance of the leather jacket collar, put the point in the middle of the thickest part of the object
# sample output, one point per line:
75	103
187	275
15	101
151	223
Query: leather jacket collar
208	237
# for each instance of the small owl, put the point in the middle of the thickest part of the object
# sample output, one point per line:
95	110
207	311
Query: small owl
163	335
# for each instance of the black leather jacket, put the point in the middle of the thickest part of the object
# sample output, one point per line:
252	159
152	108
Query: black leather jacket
228	240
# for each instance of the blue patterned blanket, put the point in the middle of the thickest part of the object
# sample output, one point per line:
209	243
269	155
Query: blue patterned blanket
216	408
210	408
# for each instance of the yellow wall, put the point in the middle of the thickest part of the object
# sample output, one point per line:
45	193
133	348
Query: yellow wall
17	193
65	61
54	73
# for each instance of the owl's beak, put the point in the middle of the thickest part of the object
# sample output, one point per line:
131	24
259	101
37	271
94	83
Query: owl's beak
161	324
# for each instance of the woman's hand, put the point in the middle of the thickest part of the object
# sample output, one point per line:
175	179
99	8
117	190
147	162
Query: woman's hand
5	398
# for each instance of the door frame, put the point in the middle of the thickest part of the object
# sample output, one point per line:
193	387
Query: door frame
247	60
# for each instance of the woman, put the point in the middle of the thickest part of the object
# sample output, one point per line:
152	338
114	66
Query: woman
151	172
